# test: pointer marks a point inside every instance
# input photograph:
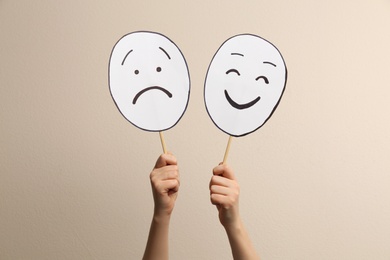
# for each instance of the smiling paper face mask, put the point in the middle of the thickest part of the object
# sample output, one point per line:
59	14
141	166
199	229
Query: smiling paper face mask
149	80
244	84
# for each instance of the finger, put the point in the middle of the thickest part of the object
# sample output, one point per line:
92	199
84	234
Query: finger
165	173
165	159
218	199
221	181
216	189
174	187
168	185
225	171
218	170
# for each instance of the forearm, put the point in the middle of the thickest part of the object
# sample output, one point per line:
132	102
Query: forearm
157	245
240	243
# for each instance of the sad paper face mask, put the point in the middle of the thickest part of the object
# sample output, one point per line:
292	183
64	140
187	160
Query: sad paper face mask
149	80
244	84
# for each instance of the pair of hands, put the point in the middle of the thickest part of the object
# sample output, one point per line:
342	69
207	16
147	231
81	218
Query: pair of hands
224	193
224	189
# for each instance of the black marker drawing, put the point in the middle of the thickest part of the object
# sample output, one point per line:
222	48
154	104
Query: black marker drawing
127	54
233	70
169	94
169	57
240	106
149	80
244	84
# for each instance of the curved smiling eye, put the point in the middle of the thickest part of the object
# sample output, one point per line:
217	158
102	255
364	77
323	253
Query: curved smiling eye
264	78
234	71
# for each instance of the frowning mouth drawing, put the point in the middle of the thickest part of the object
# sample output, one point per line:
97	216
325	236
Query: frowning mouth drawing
169	94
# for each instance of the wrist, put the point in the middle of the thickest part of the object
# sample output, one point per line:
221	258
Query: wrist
161	217
230	218
234	225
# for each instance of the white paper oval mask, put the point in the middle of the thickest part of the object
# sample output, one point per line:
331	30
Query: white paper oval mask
149	80
244	84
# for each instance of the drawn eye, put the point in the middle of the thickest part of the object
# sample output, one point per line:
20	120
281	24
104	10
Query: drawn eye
234	71
136	72
264	78
158	69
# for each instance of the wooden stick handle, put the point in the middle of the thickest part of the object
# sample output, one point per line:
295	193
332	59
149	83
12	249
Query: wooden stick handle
164	147
227	150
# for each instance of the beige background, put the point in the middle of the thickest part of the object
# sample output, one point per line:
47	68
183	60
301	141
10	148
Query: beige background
74	173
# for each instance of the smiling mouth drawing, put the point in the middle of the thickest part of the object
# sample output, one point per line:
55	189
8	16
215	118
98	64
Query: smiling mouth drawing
240	106
169	94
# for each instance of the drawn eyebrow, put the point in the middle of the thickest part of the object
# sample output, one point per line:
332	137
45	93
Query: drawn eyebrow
126	56
267	62
165	52
233	70
235	53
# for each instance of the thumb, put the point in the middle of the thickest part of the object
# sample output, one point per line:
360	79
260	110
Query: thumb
225	171
165	159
